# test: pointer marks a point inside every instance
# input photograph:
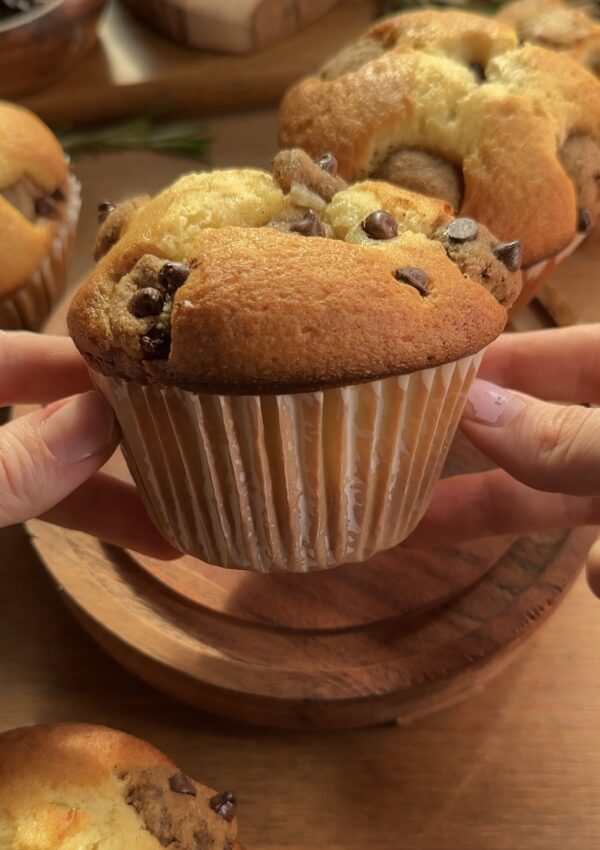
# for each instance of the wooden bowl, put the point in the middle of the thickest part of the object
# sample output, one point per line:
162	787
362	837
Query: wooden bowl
38	47
231	27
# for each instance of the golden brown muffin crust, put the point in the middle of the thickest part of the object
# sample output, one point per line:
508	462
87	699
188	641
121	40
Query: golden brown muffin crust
457	88
277	297
33	186
558	26
86	785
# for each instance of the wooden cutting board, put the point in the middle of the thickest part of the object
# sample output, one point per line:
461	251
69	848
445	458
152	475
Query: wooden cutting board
572	295
133	70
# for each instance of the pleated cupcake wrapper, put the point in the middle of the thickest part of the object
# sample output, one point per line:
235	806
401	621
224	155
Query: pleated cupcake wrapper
295	482
534	276
32	302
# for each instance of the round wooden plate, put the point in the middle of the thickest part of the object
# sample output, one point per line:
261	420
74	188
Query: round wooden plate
281	653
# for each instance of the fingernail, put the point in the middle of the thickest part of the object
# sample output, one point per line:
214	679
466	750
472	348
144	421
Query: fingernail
82	427
489	404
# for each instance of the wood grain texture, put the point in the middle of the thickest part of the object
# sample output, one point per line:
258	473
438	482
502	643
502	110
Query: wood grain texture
242	26
314	675
514	766
132	70
39	48
572	295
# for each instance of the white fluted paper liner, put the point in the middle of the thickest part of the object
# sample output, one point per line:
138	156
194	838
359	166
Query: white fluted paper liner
31	303
534	276
294	482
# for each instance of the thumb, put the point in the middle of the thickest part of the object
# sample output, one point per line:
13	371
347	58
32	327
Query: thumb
46	455
547	446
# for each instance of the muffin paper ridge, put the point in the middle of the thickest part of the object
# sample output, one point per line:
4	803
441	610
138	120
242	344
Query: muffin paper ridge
295	482
32	302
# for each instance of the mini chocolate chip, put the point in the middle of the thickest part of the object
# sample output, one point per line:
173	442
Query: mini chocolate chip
328	163
414	277
462	230
147	302
45	206
509	253
179	783
104	210
380	225
173	275
224	804
59	194
478	71
156	344
584	220
310	225
228	844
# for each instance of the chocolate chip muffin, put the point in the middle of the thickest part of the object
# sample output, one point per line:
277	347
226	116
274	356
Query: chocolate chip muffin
39	208
449	104
80	787
288	356
556	25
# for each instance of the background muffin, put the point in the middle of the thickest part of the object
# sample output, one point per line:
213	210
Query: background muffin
39	208
448	104
80	787
288	357
558	26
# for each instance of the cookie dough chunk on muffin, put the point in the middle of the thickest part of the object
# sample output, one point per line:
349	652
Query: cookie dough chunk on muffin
558	26
39	208
449	104
288	356
80	787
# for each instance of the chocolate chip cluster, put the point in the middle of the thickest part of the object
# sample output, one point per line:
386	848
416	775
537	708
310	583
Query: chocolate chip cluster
156	281
481	257
46	205
173	811
470	246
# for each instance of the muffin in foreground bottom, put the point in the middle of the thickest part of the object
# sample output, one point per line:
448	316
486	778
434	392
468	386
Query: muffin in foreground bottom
39	209
305	390
81	787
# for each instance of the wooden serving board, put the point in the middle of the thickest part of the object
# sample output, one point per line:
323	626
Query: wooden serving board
321	651
133	70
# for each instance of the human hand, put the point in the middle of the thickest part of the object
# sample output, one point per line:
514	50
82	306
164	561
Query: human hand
49	459
548	453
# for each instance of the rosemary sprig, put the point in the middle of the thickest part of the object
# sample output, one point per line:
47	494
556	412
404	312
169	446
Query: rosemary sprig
149	132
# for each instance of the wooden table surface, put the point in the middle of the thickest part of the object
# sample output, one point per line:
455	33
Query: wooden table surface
514	767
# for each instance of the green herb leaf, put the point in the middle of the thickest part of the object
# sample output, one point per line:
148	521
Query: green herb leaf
149	132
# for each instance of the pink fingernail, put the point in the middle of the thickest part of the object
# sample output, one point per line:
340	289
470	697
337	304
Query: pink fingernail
82	427
489	404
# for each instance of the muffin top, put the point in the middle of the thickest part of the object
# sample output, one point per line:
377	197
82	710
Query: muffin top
242	282
447	103
79	787
33	189
558	26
